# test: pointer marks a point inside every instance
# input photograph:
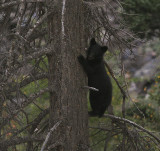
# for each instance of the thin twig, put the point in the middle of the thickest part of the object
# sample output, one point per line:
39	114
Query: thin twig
90	88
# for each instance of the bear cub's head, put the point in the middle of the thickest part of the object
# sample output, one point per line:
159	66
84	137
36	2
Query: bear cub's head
95	52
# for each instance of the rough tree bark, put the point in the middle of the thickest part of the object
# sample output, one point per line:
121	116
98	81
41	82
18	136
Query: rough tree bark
68	101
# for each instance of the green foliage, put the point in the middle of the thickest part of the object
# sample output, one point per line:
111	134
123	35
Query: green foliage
141	110
143	17
42	63
145	112
155	89
156	46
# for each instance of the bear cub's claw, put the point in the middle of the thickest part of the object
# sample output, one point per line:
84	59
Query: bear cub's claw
80	58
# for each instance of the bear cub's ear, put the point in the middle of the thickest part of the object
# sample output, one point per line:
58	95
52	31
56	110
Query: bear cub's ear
104	48
93	41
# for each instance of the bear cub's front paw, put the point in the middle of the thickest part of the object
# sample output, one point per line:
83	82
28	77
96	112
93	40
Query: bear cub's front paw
80	58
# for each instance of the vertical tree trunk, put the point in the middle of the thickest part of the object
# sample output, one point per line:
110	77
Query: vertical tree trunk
68	102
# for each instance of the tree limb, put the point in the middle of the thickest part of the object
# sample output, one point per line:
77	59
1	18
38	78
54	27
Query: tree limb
133	124
49	134
19	140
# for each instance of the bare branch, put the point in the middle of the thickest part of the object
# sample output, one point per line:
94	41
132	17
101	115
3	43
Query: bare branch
113	76
17	2
34	123
24	104
90	88
28	58
19	140
15	86
20	15
49	134
37	24
133	124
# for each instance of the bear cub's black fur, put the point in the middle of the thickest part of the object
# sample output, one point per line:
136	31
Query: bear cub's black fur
94	67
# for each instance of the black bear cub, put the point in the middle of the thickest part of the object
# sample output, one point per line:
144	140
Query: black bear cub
94	67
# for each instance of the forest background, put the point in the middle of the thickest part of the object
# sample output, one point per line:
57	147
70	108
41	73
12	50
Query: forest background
43	103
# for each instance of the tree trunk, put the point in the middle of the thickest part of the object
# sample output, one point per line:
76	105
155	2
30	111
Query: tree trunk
68	100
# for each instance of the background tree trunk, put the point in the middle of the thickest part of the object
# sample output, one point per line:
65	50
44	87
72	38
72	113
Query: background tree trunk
68	101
